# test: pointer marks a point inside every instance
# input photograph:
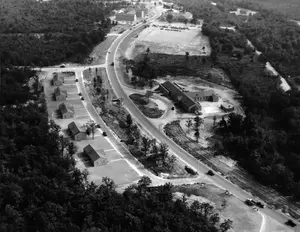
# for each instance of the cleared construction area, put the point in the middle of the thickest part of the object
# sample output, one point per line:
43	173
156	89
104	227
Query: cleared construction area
172	39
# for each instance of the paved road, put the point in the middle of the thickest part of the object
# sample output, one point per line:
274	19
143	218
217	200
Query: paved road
113	74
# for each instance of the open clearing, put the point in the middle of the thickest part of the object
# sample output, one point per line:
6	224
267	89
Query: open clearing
98	54
244	218
168	41
119	171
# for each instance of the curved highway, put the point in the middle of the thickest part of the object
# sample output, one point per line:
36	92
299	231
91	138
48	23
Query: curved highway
113	73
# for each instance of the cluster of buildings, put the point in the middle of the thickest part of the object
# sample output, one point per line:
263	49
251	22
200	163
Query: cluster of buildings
131	14
59	94
77	132
97	157
189	101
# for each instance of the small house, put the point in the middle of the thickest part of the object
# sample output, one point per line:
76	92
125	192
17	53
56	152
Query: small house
58	79
66	110
76	132
227	107
59	94
98	158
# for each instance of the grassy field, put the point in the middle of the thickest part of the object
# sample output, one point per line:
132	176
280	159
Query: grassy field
118	170
170	42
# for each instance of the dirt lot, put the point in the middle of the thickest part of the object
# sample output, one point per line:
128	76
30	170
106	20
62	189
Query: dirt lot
228	207
170	42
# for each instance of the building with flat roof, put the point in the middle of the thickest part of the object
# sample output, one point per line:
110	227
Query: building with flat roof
98	157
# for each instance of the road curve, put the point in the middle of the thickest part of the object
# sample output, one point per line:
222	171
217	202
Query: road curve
113	74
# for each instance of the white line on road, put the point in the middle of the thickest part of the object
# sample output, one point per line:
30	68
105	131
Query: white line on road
263	223
109	150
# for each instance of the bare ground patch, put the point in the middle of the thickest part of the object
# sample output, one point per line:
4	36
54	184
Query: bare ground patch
165	38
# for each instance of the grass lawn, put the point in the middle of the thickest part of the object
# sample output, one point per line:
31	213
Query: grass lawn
119	171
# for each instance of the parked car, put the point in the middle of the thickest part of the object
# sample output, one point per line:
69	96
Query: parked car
290	223
98	126
79	94
112	64
62	66
249	202
210	173
76	80
173	108
82	98
104	133
260	205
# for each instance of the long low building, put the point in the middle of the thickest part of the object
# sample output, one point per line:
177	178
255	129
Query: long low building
174	91
126	17
187	100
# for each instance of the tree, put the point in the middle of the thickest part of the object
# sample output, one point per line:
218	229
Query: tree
214	120
134	80
146	143
129	120
170	162
163	151
145	181
198	121
91	127
108	183
235	122
226	225
187	56
169	18
189	124
197	134
72	148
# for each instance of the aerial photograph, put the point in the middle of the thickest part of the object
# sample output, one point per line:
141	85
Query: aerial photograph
149	116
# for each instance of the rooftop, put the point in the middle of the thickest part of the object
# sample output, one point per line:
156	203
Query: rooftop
93	154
